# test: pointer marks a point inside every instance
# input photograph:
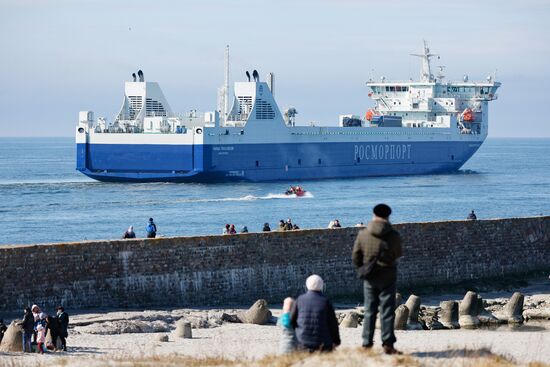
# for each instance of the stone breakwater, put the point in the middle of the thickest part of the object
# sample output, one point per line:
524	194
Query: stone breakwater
216	270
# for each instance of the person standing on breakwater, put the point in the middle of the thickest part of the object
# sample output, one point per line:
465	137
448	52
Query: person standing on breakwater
266	227
314	319
375	252
472	215
63	322
129	233
151	229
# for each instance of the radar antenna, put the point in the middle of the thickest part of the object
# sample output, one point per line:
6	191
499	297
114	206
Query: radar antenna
425	71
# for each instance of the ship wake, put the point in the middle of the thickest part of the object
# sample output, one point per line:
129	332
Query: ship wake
269	196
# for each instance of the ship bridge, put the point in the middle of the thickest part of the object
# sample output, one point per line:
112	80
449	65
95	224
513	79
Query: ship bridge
433	101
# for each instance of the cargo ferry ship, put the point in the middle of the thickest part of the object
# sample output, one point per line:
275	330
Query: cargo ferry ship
415	127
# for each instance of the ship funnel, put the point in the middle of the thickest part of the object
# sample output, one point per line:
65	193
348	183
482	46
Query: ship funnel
256	76
134	76
140	75
248	75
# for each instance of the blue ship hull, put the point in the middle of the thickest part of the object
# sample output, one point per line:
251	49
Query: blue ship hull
269	162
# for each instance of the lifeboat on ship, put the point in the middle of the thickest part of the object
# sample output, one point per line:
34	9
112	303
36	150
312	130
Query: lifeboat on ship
468	115
370	114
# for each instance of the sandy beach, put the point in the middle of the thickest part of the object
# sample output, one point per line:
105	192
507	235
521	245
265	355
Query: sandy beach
102	337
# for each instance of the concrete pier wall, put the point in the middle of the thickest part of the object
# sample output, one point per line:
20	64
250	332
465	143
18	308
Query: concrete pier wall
216	270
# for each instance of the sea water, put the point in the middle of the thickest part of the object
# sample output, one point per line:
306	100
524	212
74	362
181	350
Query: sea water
44	199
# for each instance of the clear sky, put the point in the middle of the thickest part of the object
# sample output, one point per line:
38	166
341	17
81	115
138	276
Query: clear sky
62	56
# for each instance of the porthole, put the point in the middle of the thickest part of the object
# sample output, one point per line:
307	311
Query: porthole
198	130
81	130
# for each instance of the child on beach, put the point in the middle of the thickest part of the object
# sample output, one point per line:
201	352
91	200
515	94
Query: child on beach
288	340
40	338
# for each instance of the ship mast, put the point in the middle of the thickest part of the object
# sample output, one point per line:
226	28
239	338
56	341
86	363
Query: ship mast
226	84
425	71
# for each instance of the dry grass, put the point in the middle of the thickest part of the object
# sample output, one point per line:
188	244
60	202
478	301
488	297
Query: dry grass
345	357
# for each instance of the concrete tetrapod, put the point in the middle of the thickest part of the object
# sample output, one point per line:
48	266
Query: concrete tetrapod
401	317
413	304
484	316
448	316
467	311
258	313
351	320
13	338
513	310
183	329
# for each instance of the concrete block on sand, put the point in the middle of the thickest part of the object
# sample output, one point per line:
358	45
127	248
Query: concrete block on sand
448	316
401	317
258	313
183	329
467	311
413	304
13	338
513	311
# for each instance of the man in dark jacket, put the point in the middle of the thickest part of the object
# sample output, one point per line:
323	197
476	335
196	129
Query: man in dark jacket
313	318
28	329
63	323
377	248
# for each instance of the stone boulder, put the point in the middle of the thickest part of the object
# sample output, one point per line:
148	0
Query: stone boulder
485	317
258	313
429	318
125	327
225	317
351	320
162	338
13	338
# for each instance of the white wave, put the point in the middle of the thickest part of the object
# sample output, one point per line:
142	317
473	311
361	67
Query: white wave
269	196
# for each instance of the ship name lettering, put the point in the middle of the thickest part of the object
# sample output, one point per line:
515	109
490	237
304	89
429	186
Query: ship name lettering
382	151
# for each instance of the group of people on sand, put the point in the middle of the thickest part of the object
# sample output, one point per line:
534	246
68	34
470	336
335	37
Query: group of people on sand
36	325
309	323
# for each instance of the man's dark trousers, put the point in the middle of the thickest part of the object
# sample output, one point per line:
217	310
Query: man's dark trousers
376	295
